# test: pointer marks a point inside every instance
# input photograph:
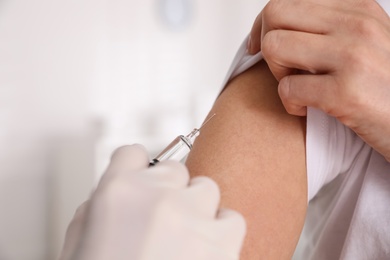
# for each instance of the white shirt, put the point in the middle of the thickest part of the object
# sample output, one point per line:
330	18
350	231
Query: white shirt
348	187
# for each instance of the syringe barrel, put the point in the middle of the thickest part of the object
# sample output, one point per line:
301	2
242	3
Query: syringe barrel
176	150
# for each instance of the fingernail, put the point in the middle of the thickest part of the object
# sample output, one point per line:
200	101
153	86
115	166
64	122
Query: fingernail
284	87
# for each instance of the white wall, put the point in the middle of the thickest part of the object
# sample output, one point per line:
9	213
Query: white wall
80	77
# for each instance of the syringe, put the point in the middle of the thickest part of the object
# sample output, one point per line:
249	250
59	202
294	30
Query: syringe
179	147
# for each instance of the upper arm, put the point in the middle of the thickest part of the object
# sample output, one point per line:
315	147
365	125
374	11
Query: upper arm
255	151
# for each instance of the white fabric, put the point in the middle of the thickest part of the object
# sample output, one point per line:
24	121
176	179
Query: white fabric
348	187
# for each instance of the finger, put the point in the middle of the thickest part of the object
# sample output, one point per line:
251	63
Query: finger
206	196
300	91
233	225
255	35
259	28
233	219
168	174
130	158
74	232
285	51
306	16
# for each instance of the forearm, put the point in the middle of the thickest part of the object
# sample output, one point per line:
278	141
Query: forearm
255	151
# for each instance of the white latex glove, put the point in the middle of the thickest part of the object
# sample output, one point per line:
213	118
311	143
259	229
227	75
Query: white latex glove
155	213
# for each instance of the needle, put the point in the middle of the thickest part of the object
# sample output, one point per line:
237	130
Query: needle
208	119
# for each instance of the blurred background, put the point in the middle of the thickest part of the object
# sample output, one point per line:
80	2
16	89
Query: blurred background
81	77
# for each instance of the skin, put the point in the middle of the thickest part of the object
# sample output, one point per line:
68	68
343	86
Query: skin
255	151
343	50
329	54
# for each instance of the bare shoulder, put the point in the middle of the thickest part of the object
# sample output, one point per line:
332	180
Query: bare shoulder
255	151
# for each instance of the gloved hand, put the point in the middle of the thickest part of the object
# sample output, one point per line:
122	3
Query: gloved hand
142	213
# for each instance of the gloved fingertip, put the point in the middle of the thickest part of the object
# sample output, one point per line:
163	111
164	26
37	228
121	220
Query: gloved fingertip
207	186
128	150
178	166
129	157
233	216
139	147
176	170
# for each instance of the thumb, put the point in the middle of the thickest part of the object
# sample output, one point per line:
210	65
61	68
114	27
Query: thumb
234	227
254	41
126	160
74	232
298	92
